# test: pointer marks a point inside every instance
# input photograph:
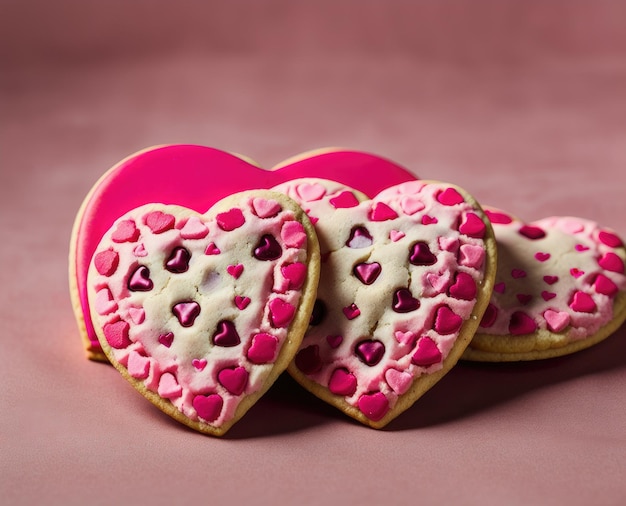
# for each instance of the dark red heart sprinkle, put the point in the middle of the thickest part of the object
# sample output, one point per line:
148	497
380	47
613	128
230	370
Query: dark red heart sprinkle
404	302
226	334
186	312
370	352
178	261
267	248
318	313
308	359
420	254
139	280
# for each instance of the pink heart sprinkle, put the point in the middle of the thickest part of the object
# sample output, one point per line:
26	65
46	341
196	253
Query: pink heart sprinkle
168	386
581	247
116	334
342	382
126	231
382	212
611	262
429	220
159	222
464	287
450	197
230	220
450	244
542	257
235	270
367	273
610	239
140	251
473	226
471	256
212	249
373	406
194	229
310	192
137	315
281	313
199	363
550	279
106	262
166	339
499	287
411	205
396	235
582	302
208	407
427	353
334	341
521	323
576	272
104	303
233	379
531	232
138	365
439	282
351	311
446	321
547	295
399	381
263	349
605	286
265	208
556	320
518	273
497	217
295	274
241	302
405	338
293	234
345	199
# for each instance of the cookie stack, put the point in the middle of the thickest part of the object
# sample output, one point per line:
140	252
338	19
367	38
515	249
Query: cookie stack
202	277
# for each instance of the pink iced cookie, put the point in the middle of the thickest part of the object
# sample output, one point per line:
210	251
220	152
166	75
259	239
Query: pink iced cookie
196	177
201	313
559	289
404	281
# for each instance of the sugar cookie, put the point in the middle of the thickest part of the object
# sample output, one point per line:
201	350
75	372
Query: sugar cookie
560	288
201	313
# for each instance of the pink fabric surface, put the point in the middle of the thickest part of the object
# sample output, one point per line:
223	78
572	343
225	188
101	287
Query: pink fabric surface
522	103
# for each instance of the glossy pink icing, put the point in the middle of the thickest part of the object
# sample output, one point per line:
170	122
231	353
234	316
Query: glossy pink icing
393	291
558	273
206	335
202	176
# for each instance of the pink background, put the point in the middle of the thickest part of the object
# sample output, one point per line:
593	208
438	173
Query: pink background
521	102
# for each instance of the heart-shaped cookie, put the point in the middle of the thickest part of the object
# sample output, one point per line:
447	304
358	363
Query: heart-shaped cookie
197	177
405	278
560	288
201	313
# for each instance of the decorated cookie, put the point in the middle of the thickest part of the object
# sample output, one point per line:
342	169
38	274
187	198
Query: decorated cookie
559	288
405	279
201	313
197	177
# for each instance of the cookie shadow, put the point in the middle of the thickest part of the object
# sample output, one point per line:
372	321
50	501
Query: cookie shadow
471	387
